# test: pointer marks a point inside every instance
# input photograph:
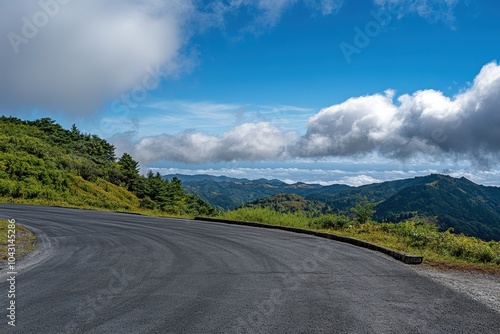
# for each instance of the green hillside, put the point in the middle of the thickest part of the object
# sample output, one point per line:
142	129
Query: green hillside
43	163
458	203
345	198
290	203
229	193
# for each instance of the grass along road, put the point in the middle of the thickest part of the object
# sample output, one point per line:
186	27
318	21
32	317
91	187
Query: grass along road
25	242
440	249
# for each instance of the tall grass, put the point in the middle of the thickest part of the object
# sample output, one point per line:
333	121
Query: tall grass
268	216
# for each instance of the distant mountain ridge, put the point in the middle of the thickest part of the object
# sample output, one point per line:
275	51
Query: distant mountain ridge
229	193
204	177
459	203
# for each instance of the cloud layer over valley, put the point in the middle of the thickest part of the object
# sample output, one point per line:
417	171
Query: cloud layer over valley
425	123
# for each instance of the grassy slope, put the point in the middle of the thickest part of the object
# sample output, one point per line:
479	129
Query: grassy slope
87	195
47	165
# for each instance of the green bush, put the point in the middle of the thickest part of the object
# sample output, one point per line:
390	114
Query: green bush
148	203
467	248
416	232
7	187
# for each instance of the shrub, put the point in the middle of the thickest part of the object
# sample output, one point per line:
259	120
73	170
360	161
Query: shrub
416	232
147	203
6	187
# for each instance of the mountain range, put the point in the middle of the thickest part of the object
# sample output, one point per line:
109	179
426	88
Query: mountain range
229	193
467	207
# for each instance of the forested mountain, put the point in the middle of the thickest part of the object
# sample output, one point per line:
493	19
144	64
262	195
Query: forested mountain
459	203
43	163
345	198
290	203
228	193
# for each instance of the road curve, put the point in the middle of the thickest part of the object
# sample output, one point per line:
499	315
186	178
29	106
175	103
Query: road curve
101	272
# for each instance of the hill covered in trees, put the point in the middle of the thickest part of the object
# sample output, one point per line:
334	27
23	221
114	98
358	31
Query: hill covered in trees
230	193
467	207
43	163
290	203
458	203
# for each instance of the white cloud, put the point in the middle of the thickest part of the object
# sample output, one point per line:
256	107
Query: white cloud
352	127
88	52
205	116
426	123
358	180
248	142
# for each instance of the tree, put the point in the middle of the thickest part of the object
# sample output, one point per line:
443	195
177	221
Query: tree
363	210
74	130
130	171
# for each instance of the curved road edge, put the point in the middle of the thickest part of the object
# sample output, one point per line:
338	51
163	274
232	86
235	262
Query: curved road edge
44	249
398	255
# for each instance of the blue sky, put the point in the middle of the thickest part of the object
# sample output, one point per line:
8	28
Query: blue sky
312	90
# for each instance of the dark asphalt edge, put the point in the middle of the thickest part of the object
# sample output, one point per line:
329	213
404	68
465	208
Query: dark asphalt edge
398	255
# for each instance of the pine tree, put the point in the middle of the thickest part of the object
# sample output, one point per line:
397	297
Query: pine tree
130	171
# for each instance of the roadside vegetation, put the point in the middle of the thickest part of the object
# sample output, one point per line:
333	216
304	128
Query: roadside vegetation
416	235
44	164
25	241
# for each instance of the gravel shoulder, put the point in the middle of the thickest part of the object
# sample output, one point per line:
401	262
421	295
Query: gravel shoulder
484	288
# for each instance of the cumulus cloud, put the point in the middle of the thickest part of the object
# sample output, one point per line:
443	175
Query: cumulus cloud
248	142
358	180
427	122
424	124
352	127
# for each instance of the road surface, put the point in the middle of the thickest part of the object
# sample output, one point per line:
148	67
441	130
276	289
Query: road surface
102	272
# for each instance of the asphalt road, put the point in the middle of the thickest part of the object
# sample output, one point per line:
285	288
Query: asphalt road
99	272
